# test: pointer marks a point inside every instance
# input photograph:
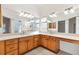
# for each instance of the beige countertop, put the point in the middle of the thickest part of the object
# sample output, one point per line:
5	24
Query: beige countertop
61	35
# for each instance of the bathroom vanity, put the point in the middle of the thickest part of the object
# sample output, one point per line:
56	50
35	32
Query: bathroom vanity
20	44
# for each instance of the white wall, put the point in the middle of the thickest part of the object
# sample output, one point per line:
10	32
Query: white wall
77	25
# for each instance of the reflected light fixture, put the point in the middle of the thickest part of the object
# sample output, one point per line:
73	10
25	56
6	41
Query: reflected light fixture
30	16
25	15
50	16
72	10
53	15
21	13
66	12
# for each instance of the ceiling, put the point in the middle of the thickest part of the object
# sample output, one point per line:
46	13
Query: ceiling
40	10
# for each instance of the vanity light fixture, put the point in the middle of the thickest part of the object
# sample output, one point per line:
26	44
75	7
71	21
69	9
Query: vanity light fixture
26	14
66	12
72	10
50	16
21	13
30	16
69	10
53	15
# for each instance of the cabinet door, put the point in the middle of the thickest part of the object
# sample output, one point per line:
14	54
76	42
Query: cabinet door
44	42
52	25
30	43
57	44
53	44
2	48
11	46
22	45
36	41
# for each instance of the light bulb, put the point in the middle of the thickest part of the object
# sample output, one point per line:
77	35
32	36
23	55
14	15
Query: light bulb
66	12
71	11
30	16
25	15
50	16
21	14
54	15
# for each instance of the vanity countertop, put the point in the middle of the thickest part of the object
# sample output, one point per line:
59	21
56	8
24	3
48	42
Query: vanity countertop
61	35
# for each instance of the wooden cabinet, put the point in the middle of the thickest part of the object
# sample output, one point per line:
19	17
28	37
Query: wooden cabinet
23	45
2	48
53	44
11	46
1	17
26	44
30	42
11	41
36	39
44	40
12	53
52	25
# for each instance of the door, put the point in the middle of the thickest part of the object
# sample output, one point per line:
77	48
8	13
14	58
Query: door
61	26
72	25
6	25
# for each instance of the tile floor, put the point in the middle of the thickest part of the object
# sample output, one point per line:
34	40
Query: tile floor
43	51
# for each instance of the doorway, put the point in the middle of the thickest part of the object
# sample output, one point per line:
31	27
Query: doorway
6	24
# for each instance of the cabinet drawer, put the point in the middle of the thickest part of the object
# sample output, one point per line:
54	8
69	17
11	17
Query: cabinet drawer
12	41
11	47
15	52
2	48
